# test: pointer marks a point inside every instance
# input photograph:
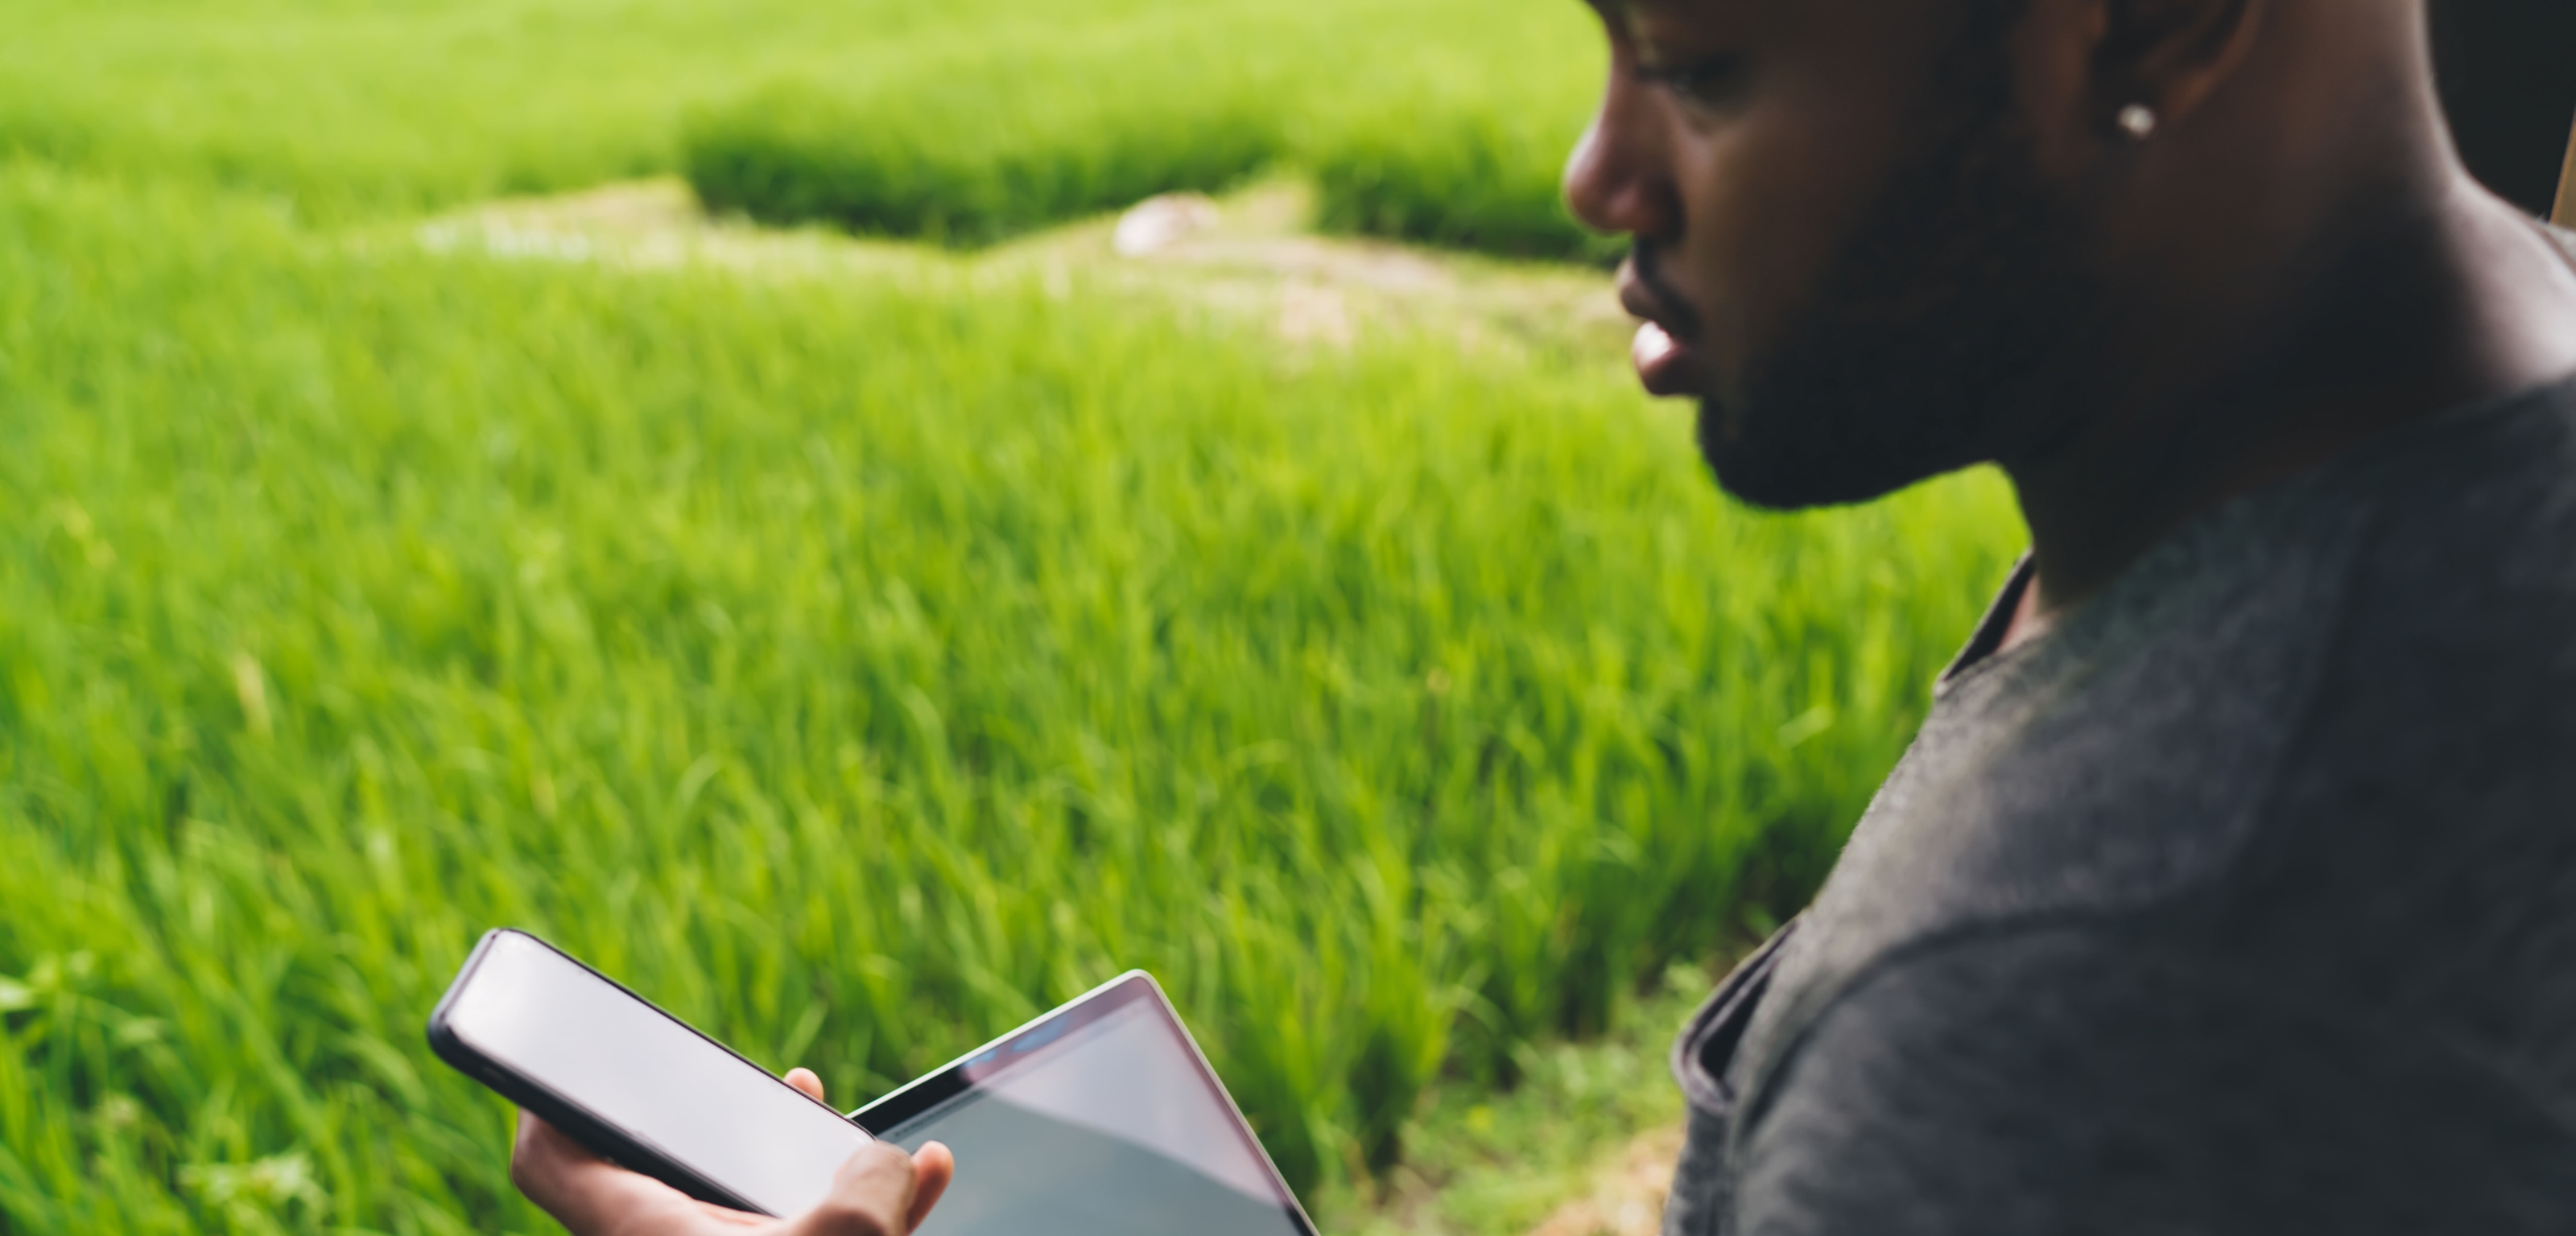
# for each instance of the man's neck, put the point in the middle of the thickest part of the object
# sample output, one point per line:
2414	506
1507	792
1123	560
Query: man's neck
2454	302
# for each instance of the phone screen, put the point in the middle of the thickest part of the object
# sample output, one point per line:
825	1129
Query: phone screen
636	1069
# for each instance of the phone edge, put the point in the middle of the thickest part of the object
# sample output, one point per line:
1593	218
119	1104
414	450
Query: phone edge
1295	1206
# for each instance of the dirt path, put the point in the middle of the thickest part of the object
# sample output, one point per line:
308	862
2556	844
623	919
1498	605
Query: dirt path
1248	253
1628	1191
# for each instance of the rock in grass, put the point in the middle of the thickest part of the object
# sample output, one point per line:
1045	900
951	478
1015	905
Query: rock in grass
1159	222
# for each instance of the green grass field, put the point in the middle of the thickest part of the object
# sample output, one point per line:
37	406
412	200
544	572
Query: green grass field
962	121
855	663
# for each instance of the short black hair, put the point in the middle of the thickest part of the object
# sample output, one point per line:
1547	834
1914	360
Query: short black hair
2508	76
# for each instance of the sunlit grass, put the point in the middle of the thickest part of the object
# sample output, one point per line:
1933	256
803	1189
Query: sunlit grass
857	670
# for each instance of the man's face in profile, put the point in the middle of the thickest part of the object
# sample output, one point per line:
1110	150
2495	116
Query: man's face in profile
1845	244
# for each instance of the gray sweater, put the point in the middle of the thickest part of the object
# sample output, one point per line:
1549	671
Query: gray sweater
2243	901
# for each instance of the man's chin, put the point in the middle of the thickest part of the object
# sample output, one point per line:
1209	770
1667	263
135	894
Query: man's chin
1782	462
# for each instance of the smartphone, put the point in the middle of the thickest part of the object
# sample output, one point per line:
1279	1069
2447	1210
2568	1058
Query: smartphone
635	1084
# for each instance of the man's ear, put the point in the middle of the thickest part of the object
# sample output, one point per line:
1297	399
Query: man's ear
2172	55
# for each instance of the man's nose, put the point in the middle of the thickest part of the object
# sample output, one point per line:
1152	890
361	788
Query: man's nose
1619	179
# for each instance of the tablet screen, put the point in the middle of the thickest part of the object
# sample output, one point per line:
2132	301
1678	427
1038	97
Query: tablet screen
1097	1122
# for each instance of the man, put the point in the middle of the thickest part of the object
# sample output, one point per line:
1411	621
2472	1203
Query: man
2231	885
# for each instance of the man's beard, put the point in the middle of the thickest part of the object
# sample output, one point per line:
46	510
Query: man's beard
1934	336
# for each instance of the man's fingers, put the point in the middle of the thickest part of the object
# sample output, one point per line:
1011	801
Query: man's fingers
872	1196
804	1080
562	1178
881	1191
545	1164
932	1168
589	1194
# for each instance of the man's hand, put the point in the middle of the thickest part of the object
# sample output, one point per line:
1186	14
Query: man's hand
881	1191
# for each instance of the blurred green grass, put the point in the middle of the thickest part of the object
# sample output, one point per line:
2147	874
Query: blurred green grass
1443	121
349	110
856	667
975	156
1462	172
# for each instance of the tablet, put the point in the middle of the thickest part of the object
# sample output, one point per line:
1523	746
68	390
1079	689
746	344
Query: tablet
1098	1119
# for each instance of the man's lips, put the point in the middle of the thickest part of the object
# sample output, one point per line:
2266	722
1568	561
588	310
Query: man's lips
1666	363
1665	366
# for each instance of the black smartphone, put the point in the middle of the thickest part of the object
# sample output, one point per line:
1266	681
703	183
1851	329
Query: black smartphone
636	1085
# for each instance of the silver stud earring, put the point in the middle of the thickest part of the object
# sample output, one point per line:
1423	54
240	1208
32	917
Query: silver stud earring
2138	121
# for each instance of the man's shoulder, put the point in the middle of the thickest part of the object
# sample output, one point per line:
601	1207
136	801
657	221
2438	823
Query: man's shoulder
2321	718
2125	1073
2452	678
2115	764
2418	850
2398	631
